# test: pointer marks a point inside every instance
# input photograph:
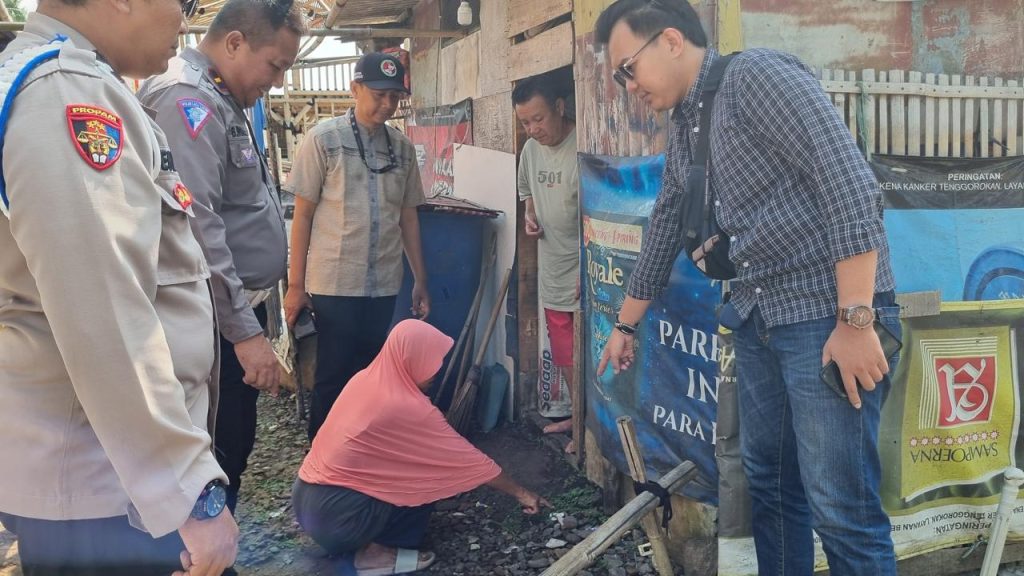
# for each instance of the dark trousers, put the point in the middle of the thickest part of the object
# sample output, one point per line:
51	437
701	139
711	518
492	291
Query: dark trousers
236	416
350	333
103	547
343	521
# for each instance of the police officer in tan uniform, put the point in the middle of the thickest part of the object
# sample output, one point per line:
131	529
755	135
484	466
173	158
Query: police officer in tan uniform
199	103
107	335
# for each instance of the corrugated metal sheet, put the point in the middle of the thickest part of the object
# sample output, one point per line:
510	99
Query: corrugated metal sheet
980	37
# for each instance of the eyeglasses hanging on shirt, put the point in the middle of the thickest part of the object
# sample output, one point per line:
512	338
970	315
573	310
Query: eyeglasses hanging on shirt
392	159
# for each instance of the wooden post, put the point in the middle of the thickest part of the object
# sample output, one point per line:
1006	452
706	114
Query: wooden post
578	390
586	552
631	447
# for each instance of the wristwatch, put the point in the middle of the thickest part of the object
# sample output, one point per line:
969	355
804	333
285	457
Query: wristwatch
211	501
859	317
627	329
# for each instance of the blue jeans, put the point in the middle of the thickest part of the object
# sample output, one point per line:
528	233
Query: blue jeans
810	458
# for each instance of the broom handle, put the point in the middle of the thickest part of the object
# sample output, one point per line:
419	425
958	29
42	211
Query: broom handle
494	319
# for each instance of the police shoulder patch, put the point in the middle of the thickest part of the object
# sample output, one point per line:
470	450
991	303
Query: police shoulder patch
97	133
195	113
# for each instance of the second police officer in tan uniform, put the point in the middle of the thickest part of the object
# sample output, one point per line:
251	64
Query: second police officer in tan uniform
107	335
199	103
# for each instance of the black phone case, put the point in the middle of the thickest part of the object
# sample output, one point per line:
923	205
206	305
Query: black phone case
830	374
304	325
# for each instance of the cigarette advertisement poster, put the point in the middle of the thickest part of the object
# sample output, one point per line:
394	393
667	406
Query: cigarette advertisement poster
671	392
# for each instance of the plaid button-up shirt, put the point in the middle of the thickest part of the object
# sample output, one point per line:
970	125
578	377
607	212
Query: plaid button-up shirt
793	191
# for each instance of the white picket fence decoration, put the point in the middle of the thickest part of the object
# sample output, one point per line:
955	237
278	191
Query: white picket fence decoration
935	115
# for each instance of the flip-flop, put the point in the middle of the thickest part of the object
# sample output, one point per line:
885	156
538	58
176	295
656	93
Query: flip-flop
406	561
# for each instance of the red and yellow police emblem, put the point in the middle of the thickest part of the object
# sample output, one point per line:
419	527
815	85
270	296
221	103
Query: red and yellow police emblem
183	196
97	134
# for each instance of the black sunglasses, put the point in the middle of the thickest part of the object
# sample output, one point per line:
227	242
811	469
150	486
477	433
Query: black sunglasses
624	72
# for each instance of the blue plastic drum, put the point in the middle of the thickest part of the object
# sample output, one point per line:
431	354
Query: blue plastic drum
452	250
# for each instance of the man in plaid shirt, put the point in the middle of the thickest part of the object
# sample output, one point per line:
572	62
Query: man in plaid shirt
804	215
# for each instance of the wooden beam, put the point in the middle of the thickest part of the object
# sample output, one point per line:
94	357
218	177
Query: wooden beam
526	14
917	88
544	52
637	469
586	552
360	33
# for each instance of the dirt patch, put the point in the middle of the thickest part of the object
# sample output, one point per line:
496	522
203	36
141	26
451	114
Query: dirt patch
480	533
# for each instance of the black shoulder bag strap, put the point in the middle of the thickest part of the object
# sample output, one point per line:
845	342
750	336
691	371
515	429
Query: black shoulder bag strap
697	232
697	179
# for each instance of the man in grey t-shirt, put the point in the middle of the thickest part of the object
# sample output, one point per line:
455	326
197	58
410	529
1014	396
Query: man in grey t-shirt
549	184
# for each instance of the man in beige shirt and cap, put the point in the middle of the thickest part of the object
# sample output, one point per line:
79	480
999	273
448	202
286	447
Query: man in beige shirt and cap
200	104
357	186
107	370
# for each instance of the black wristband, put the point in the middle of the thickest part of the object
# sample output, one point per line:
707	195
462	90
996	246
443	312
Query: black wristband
627	329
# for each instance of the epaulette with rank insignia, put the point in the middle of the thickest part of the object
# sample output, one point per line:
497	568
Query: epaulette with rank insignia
218	82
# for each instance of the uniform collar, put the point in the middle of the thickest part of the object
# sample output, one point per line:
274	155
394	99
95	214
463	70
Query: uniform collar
687	109
200	60
47	28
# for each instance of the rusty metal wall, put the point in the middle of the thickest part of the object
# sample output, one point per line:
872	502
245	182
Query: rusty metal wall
979	37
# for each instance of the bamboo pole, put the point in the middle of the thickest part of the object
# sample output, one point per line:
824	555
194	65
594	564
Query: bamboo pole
631	447
586	552
1012	480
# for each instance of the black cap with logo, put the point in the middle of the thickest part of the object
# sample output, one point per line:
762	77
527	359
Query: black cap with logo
380	71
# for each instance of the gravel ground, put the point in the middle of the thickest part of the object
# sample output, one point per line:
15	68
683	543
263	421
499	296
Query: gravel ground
481	533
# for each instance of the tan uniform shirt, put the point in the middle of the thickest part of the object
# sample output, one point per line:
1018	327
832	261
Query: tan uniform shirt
237	207
550	175
355	246
106	321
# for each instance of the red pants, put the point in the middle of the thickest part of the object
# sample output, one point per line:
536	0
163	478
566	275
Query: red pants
561	333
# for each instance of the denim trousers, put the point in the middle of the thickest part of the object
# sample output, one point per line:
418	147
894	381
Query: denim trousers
811	459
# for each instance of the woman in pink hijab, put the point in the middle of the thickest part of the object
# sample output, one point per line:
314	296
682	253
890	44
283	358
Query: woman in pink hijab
384	455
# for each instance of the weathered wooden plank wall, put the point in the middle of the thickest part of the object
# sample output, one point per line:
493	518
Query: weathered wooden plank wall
425	56
526	14
551	49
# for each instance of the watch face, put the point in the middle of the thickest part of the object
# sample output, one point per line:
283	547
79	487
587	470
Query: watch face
216	499
860	316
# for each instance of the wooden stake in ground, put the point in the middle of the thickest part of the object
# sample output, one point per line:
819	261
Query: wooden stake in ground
586	552
461	411
631	447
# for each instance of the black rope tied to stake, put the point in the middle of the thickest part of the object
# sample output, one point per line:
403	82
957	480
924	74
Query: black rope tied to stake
664	499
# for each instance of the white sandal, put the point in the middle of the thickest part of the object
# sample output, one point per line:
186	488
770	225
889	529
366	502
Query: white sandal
406	561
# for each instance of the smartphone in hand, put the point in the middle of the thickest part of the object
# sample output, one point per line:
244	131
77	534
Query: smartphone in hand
833	378
304	324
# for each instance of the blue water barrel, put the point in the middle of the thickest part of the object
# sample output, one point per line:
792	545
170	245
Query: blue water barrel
452	246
